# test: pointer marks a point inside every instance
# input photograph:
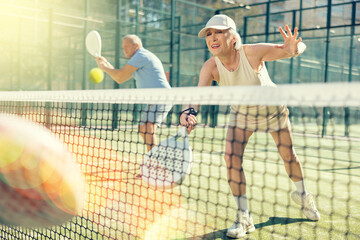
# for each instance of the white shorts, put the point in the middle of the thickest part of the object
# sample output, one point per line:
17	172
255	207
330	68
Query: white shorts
259	118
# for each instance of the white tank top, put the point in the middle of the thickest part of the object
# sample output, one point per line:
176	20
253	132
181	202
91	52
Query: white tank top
253	118
244	74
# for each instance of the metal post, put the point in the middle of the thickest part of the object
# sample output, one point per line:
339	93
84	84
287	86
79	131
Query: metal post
178	65
19	56
291	72
267	21
50	48
137	107
115	107
179	52
171	60
210	111
300	27
213	111
48	105
172	42
352	33
137	9
300	14
205	108
327	46
245	29
84	106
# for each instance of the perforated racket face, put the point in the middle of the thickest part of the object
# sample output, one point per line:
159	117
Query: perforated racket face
167	164
93	43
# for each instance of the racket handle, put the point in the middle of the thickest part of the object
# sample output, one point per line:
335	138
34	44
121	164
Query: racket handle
181	133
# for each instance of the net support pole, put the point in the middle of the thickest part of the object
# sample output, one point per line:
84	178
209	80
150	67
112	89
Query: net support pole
327	46
291	72
84	106
267	22
19	55
19	69
245	29
205	108
213	112
172	43
115	107
136	109
352	33
48	105
299	58
177	108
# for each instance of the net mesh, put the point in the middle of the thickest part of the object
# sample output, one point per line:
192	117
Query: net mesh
101	130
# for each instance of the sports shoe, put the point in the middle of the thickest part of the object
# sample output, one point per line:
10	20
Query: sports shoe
308	205
242	225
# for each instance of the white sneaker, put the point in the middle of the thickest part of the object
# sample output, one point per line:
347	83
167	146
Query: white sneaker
242	225
308	205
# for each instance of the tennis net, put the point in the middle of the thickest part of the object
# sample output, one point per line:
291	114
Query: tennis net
101	129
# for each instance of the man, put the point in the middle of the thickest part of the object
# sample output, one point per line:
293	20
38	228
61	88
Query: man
236	64
148	72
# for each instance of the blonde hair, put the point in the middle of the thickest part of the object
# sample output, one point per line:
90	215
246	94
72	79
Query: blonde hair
238	42
134	39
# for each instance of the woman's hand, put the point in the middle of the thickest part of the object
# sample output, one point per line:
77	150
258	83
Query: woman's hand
290	41
188	120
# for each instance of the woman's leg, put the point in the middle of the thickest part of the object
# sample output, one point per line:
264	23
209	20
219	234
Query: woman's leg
236	141
284	143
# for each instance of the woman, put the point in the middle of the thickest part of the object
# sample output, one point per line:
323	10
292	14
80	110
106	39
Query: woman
236	64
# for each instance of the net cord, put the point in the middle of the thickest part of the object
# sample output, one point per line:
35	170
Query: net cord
341	94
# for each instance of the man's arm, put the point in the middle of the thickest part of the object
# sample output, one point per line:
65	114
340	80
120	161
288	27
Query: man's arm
119	75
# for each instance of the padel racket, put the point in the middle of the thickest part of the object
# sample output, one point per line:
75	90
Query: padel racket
167	164
93	43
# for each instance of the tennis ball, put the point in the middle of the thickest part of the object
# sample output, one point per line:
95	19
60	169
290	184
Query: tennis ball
40	182
96	75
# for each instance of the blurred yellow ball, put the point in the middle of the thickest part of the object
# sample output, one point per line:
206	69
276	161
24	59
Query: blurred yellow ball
96	75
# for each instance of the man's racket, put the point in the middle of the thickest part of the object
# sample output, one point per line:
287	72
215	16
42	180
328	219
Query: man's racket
93	43
167	164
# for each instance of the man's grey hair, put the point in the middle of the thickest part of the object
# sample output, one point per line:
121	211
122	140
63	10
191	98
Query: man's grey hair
238	42
134	39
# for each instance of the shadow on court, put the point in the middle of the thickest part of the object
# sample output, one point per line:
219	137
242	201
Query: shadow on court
281	221
221	234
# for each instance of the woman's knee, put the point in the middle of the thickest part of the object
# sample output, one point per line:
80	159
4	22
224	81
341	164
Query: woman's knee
290	157
233	162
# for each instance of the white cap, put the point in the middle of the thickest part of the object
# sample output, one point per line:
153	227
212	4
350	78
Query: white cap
220	22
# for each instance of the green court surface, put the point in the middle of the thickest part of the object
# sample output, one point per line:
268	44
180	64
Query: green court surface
123	207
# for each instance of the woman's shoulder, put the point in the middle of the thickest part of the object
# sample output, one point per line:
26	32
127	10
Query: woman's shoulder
251	51
209	70
210	63
248	47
